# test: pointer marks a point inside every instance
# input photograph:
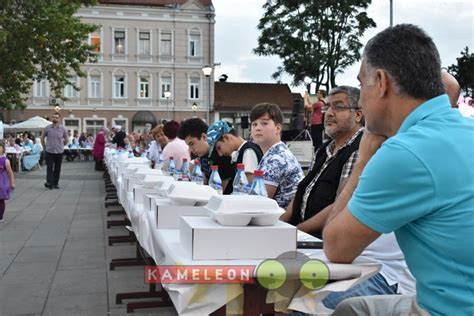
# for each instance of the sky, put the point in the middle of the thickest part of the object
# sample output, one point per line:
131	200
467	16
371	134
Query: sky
450	23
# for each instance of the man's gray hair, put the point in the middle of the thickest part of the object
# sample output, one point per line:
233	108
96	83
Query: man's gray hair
352	92
409	57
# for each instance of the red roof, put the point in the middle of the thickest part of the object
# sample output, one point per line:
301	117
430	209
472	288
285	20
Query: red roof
243	96
159	3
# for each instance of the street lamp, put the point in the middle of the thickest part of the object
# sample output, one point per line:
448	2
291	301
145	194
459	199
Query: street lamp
57	108
207	70
194	108
167	95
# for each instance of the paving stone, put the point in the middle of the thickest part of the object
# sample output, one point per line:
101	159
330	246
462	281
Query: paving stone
21	299
87	259
83	304
39	254
29	273
72	282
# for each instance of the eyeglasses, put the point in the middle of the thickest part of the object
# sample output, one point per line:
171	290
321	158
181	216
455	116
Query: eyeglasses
338	107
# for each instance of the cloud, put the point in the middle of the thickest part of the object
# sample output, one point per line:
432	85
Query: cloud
449	23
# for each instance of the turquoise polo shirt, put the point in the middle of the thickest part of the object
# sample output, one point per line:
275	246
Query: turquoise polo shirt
420	184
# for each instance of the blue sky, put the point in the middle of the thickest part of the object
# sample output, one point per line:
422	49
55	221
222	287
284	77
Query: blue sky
449	23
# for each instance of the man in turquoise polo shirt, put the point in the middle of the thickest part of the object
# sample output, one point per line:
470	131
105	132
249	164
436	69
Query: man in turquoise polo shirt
414	176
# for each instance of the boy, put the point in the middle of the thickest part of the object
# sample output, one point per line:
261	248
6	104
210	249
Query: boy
194	133
282	171
222	137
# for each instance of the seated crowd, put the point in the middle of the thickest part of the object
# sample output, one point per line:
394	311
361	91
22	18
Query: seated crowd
379	192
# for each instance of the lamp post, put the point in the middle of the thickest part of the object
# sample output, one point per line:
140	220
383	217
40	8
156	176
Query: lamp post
194	108
167	95
207	70
57	108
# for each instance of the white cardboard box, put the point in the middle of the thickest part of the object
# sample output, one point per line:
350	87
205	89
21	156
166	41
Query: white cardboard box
207	240
148	199
139	191
168	216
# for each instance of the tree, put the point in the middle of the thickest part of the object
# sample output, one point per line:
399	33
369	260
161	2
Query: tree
315	38
40	40
463	71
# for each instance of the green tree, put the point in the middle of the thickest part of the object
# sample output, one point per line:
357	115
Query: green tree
463	71
315	38
40	39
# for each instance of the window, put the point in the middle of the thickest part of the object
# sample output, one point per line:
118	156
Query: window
120	122
119	87
95	87
69	91
165	43
72	125
95	41
41	88
144	88
119	42
165	85
144	43
195	45
94	126
194	84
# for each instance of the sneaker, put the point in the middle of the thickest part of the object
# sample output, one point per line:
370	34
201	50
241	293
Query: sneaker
2	220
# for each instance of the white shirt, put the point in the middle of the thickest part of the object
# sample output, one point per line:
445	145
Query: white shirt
385	250
153	152
249	159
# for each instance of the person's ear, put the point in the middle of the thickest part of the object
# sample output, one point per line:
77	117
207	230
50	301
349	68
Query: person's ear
279	127
225	138
382	82
204	137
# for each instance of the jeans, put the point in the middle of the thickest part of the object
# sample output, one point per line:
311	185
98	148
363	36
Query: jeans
376	285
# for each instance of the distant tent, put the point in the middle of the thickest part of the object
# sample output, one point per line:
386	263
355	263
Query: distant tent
31	124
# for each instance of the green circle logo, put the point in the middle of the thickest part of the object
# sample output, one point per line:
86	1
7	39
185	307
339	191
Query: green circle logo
314	274
271	274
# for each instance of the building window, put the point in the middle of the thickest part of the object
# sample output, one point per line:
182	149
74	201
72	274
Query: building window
69	91
120	122
94	126
95	41
144	88
95	87
144	43
194	84
165	86
72	125
119	87
165	43
41	88
195	45
119	42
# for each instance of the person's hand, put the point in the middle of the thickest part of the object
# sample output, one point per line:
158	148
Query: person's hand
13	186
369	145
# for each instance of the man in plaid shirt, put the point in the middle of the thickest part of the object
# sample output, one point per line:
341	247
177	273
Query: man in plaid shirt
332	164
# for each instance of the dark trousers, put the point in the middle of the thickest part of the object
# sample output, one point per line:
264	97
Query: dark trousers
53	163
317	135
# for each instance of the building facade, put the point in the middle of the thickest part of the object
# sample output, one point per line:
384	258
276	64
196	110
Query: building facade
150	59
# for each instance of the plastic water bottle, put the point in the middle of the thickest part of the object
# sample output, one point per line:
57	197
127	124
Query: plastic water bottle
258	186
240	184
215	181
197	176
159	163
185	174
171	167
130	154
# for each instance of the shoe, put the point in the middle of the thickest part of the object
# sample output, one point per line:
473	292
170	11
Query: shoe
2	220
56	186
47	185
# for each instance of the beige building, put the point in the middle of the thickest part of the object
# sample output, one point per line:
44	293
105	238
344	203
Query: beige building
150	59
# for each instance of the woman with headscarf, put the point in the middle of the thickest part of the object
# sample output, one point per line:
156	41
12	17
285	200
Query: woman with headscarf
32	158
98	150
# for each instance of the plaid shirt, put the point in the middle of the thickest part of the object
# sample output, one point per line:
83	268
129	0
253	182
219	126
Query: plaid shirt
346	169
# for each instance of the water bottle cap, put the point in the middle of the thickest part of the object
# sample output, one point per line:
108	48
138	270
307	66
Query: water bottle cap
241	166
185	159
197	162
258	173
171	157
214	167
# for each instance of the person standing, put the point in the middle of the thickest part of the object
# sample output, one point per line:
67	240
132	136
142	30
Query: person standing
7	180
316	111
98	150
54	138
